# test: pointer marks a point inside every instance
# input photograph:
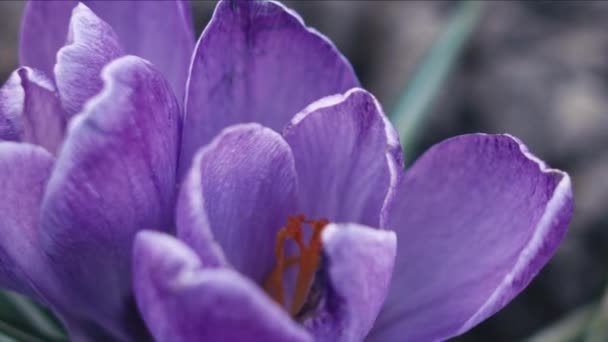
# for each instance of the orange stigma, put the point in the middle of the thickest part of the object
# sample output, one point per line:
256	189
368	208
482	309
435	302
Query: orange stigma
307	260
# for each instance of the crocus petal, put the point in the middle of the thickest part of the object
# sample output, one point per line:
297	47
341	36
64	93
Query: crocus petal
356	273
477	216
12	98
160	31
25	169
347	156
183	302
91	45
44	30
30	110
257	62
240	191
115	175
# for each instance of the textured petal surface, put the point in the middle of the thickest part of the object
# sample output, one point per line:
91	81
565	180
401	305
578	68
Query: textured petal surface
25	169
160	31
44	30
91	44
257	62
114	176
476	217
347	156
356	273
12	97
30	110
240	191
183	302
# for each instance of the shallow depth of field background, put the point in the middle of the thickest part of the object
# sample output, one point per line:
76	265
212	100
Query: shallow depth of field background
537	70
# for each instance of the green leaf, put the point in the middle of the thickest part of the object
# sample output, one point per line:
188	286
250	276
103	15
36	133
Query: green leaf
586	324
422	88
11	333
568	329
598	328
6	338
21	318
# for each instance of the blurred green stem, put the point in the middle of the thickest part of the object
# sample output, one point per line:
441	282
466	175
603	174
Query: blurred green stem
598	328
586	324
19	314
422	88
10	333
568	329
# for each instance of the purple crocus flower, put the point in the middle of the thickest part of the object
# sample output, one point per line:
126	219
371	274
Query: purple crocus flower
294	220
72	205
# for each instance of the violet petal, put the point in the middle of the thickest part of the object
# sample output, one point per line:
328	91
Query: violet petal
114	176
160	31
477	216
358	263
30	110
181	301
91	45
44	30
257	62
25	170
348	158
238	194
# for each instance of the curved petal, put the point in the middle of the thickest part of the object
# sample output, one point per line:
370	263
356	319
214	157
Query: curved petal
11	109
137	24
240	191
30	110
25	170
477	217
159	31
257	62
91	44
115	175
44	30
183	302
358	263
348	158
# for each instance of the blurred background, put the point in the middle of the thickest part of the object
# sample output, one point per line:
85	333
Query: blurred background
535	69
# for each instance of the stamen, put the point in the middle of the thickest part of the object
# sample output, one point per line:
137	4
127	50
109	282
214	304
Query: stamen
308	260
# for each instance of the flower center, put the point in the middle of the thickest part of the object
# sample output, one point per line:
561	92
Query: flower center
307	260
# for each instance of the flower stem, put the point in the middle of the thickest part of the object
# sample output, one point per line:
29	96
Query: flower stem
422	88
19	314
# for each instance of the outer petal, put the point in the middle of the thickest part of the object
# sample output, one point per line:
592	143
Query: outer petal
160	31
90	46
240	191
477	217
358	263
182	302
25	170
44	30
347	156
257	62
30	110
114	176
